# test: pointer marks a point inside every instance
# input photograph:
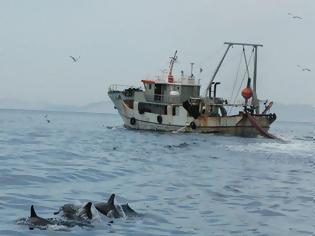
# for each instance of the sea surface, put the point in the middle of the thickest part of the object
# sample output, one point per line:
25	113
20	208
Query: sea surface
180	184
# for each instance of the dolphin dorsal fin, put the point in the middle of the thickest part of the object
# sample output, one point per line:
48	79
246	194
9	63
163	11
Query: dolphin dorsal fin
33	213
88	211
111	199
88	206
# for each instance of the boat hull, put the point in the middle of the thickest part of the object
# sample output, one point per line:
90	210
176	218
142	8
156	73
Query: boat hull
238	125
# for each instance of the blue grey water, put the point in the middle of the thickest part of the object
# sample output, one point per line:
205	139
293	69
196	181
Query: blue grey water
193	184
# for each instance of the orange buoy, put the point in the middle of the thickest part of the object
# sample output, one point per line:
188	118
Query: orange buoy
247	93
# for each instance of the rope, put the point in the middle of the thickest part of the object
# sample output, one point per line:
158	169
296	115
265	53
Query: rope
179	130
245	61
249	61
261	130
235	81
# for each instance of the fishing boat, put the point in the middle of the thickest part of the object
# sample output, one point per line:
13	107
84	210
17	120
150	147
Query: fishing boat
175	104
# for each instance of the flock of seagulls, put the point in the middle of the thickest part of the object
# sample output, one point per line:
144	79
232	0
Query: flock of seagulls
74	59
304	69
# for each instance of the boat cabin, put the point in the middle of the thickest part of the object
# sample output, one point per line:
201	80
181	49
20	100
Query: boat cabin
170	93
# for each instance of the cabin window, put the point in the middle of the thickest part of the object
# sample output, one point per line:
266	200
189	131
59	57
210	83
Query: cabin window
158	92
150	86
152	108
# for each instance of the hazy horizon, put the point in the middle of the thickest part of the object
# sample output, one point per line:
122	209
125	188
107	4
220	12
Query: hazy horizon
123	42
284	112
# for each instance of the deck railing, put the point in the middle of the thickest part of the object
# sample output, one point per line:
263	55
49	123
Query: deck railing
118	87
122	87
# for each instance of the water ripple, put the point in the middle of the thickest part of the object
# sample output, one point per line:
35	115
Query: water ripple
182	184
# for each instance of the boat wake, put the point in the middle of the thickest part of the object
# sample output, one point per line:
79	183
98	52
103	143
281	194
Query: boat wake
290	147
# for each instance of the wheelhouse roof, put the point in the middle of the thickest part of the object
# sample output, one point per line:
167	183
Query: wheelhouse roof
167	83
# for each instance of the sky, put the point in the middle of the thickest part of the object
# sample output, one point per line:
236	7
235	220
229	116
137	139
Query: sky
123	42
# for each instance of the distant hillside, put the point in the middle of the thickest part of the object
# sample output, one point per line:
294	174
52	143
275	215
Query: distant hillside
95	107
17	104
299	113
302	113
99	107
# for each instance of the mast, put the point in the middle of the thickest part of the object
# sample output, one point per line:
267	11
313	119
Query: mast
255	102
170	75
216	71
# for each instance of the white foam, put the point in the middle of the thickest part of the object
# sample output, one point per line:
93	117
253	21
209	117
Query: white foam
293	147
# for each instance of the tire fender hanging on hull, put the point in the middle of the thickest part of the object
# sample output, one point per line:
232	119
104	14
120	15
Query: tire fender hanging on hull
159	119
132	121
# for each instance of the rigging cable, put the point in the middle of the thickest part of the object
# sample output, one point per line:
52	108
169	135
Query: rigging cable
246	62
235	81
249	61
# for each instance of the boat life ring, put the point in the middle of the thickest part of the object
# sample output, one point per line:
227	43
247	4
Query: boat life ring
132	121
159	119
193	125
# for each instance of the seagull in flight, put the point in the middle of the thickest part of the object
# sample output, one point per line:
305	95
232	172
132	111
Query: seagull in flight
46	117
304	69
75	59
295	17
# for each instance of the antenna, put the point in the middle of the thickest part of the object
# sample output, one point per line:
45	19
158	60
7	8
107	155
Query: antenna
191	69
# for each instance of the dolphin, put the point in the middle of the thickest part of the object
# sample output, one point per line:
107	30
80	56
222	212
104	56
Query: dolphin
129	212
86	212
108	208
75	212
68	210
36	221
